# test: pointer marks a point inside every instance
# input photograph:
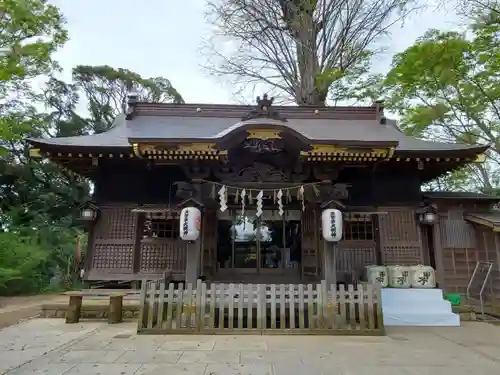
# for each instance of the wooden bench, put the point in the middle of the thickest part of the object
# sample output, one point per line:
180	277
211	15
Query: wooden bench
115	309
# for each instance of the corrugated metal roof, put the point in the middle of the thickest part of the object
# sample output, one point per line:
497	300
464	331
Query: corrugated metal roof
490	219
459	195
155	208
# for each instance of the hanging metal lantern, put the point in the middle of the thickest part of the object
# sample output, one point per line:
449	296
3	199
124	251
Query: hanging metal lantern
427	215
89	211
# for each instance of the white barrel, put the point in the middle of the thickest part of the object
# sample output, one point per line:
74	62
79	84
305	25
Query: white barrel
423	277
377	275
399	276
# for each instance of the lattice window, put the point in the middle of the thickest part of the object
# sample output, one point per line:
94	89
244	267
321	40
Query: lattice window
358	227
113	256
155	227
163	255
116	223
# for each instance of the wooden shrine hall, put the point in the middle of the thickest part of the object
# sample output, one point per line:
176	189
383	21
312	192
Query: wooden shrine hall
261	175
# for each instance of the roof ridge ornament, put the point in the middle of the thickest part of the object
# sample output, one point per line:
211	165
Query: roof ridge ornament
132	99
264	110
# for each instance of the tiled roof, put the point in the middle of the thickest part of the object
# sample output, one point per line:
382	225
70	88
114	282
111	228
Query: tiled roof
191	125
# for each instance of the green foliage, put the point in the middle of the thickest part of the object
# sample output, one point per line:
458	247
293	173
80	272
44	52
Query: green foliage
30	31
353	83
106	89
446	87
29	259
21	263
39	200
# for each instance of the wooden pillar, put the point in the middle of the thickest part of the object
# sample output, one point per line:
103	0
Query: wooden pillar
139	227
329	263
438	254
89	255
377	238
193	248
192	261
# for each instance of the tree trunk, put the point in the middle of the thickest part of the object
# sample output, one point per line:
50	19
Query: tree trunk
307	92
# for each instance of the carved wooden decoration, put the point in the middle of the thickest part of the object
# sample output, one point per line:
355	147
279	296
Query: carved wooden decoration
264	109
186	190
256	172
203	151
326	172
264	134
262	146
196	171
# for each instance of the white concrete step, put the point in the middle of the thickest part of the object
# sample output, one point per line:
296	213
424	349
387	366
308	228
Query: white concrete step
425	320
417	307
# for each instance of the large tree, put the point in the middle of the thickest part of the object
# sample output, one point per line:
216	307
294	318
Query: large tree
34	197
106	91
446	87
308	50
30	31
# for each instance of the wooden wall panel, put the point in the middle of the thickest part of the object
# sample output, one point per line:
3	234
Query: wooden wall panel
114	239
400	237
489	251
457	233
352	257
159	255
463	245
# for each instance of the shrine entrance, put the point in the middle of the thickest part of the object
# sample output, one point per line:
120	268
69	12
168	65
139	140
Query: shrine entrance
266	247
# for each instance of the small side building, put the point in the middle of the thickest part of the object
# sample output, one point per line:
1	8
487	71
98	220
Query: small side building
466	232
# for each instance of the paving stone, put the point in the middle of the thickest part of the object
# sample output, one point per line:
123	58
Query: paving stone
133	345
241	343
375	370
290	357
91	356
188	345
302	369
490	351
103	369
234	369
53	347
15	358
149	356
187	369
205	356
48	369
453	369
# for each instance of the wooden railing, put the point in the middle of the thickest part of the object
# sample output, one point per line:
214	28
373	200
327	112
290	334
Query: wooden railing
260	308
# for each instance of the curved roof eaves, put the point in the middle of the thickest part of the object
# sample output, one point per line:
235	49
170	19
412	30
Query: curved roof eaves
116	136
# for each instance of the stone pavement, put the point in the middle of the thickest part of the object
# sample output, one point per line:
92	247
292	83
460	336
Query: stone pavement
48	346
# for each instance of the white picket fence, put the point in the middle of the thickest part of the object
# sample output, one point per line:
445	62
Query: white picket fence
260	308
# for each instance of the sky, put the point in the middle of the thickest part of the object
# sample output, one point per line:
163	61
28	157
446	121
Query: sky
163	38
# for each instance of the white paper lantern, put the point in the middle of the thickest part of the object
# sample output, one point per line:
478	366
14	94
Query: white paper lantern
190	223
331	224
